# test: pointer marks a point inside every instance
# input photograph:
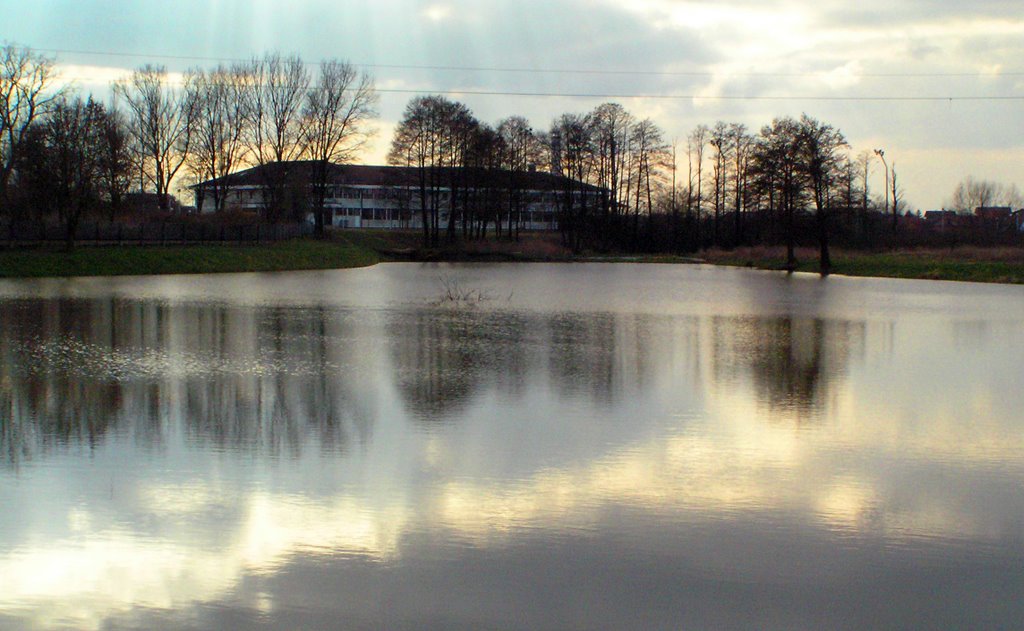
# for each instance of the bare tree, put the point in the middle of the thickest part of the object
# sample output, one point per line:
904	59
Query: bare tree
218	145
522	148
161	119
696	145
898	203
650	155
577	162
1012	196
971	193
820	145
276	88
778	163
335	124
26	79
741	143
864	162
719	141
423	140
114	154
611	129
60	164
461	129
486	159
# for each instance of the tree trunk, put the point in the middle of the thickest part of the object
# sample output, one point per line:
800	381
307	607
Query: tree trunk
825	263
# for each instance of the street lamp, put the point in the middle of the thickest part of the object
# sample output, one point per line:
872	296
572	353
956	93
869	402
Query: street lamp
881	154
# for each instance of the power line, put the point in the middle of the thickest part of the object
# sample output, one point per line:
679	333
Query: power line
566	71
710	97
679	97
611	95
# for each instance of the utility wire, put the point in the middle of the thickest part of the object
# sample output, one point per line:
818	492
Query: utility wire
709	97
618	95
577	71
674	97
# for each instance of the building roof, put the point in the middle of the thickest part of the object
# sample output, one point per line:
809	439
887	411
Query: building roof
993	211
372	175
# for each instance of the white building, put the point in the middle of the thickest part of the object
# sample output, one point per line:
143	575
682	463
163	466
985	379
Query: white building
363	196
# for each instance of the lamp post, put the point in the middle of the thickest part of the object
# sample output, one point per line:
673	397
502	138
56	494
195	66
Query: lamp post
881	154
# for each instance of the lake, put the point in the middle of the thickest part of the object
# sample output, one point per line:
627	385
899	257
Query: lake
511	446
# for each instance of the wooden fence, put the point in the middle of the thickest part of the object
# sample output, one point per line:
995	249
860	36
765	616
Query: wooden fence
27	234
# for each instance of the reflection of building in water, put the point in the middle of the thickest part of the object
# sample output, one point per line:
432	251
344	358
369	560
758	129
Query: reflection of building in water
444	359
275	379
791	363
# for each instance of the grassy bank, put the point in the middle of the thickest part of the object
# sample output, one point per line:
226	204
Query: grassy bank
983	265
989	265
352	248
299	254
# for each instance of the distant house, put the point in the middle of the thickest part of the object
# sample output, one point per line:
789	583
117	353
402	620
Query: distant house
998	214
942	219
1018	219
365	196
149	203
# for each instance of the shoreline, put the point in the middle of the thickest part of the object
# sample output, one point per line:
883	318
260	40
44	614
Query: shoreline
1002	265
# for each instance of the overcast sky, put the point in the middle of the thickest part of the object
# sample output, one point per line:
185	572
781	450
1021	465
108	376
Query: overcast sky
939	84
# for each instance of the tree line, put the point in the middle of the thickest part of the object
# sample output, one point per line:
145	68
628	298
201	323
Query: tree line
735	188
795	181
626	187
65	156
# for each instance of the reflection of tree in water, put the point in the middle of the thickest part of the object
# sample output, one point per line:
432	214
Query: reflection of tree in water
443	357
253	379
583	354
44	406
279	380
297	381
792	362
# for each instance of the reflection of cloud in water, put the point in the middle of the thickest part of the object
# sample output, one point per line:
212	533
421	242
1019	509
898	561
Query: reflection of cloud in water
728	474
247	440
93	574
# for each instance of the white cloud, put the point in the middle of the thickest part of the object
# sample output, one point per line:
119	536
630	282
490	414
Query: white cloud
437	12
738	48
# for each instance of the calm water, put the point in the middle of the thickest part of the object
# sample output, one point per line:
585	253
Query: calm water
584	446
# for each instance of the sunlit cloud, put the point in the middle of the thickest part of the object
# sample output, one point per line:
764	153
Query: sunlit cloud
707	15
437	12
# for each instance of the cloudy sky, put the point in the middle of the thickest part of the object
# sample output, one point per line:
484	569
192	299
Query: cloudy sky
939	84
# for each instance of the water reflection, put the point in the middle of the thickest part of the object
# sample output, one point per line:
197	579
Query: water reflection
176	463
791	362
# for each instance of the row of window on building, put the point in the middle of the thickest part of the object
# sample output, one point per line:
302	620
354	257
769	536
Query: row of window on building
395	214
382	193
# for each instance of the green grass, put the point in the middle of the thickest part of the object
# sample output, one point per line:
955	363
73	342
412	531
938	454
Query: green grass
994	265
361	248
897	266
298	254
